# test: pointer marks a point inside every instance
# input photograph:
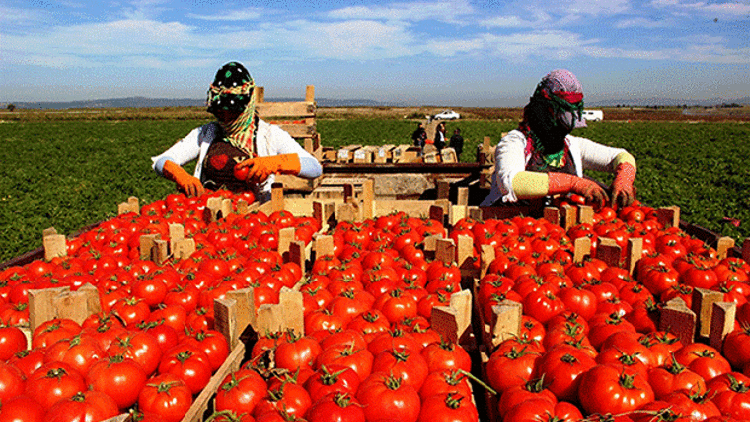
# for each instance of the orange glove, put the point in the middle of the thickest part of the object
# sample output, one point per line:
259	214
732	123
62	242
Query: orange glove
623	191
187	183
560	183
262	167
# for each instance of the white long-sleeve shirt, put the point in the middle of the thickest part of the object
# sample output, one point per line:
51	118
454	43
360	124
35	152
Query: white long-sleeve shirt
511	158
270	140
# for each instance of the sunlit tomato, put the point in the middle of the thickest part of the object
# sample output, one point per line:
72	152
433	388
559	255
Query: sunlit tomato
386	397
120	377
166	396
83	406
53	382
12	341
611	389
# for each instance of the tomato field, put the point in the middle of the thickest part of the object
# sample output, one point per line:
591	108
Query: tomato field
68	173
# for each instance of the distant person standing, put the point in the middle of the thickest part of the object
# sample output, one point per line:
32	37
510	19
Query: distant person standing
439	138
457	143
419	136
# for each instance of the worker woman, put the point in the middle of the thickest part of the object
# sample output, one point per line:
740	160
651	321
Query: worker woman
540	158
238	151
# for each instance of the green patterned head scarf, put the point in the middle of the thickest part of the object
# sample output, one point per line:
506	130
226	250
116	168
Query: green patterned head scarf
233	90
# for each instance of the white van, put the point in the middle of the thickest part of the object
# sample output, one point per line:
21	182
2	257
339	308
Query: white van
593	115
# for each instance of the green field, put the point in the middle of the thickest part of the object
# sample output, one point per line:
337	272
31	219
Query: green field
68	173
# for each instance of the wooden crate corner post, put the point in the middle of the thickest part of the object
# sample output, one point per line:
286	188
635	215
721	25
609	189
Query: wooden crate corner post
54	244
678	319
507	316
453	322
722	323
130	206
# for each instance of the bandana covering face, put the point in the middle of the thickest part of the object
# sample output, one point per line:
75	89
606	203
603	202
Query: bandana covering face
563	93
233	91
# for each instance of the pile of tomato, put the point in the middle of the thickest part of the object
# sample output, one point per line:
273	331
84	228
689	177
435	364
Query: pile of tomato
589	348
590	344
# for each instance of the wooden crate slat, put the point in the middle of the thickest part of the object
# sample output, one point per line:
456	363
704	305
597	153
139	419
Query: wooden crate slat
279	110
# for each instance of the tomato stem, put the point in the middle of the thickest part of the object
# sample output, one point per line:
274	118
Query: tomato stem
479	381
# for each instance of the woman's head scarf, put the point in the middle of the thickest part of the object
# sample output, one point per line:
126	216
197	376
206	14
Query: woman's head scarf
233	90
561	94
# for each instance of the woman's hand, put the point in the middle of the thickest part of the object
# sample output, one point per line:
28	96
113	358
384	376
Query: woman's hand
259	168
186	183
623	190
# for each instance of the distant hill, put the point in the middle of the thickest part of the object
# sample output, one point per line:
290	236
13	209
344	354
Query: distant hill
143	102
669	102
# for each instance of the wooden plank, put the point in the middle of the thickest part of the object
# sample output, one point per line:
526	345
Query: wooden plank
201	403
634	253
506	322
568	217
703	305
54	246
279	110
277	197
678	319
453	322
609	251
668	216
723	245
585	214
130	206
581	249
286	315
445	250
486	258
310	93
722	323
553	215
368	199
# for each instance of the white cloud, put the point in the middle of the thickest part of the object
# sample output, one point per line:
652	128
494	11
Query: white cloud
641	22
348	40
726	10
506	22
549	44
236	15
444	11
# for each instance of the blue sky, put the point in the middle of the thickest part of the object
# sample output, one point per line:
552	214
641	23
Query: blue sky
455	52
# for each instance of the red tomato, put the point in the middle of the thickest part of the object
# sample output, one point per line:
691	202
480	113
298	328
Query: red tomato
407	365
53	382
12	381
12	341
444	356
674	377
448	407
702	359
120	377
386	397
80	352
290	397
537	409
336	407
561	368
83	406
52	331
21	409
607	389
240	392
166	396
331	379
506	369
189	363
140	346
